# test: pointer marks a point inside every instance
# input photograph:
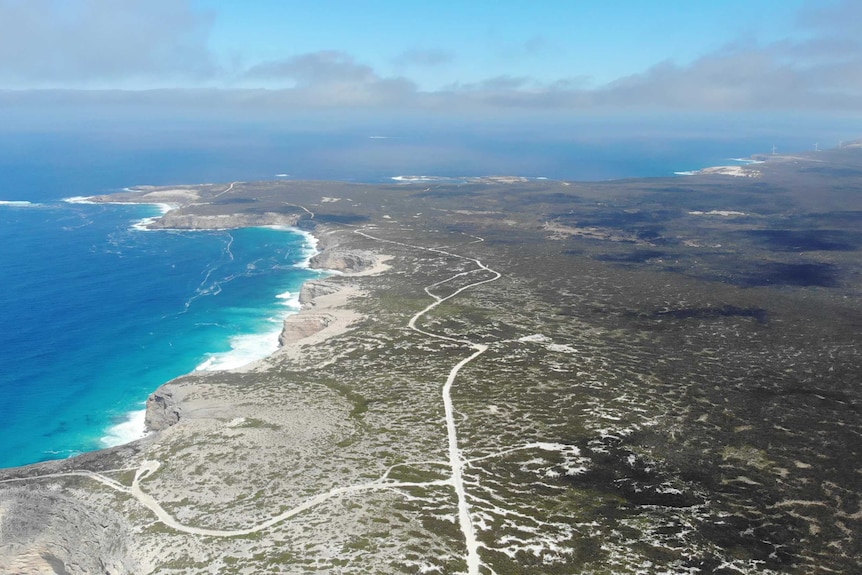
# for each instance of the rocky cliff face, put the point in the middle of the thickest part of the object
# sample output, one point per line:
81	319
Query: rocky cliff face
349	261
163	409
314	289
300	326
47	531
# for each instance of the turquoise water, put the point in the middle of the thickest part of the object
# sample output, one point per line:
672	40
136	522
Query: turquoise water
96	314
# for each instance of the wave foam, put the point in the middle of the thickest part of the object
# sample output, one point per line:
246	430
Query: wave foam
143	224
129	430
309	248
140	225
290	299
18	204
248	348
244	349
80	200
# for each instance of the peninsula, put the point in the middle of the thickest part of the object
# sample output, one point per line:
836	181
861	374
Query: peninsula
505	375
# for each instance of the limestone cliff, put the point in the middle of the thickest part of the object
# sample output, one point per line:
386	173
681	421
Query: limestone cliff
349	261
302	325
46	531
163	409
314	289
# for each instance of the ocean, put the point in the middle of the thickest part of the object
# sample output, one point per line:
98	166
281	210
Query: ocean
96	313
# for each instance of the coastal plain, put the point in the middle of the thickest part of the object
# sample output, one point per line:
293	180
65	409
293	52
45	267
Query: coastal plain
504	375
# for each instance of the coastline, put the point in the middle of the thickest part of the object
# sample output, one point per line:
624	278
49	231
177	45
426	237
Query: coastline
745	170
317	312
259	346
251	348
599	377
324	312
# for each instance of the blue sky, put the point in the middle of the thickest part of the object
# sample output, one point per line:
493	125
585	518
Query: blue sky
479	56
445	43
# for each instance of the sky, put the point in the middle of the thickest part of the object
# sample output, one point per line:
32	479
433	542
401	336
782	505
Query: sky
491	58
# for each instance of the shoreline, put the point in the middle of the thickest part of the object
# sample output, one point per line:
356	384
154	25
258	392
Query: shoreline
464	423
314	314
318	312
314	319
324	313
258	345
743	169
133	426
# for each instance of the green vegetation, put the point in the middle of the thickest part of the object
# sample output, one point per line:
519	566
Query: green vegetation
665	389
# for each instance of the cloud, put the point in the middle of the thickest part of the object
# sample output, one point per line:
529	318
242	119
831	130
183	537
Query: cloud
509	49
317	68
736	79
820	71
496	84
86	42
332	78
423	58
816	74
837	18
109	43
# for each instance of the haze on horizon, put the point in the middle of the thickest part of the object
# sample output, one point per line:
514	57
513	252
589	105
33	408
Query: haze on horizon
501	61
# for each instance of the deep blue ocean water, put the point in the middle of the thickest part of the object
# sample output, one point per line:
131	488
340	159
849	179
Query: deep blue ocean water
96	314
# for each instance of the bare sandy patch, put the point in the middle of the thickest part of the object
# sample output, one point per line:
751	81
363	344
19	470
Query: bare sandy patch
735	171
172	196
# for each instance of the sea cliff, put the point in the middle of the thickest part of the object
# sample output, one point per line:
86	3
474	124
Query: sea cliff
324	312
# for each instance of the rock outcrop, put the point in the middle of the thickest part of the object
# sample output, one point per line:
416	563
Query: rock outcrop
348	261
164	406
300	326
47	531
163	409
313	289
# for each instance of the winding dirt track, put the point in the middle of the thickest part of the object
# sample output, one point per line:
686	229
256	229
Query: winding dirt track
456	461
